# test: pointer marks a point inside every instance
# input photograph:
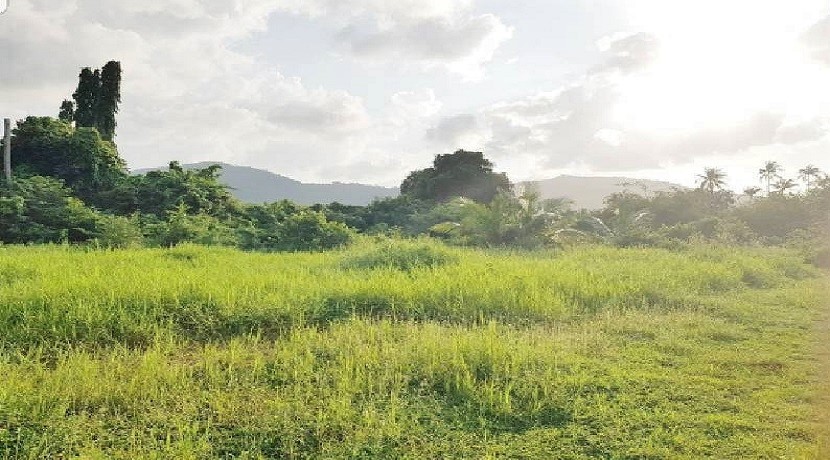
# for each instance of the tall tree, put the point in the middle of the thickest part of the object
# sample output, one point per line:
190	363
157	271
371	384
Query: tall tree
67	111
89	83
712	180
809	174
107	100
771	170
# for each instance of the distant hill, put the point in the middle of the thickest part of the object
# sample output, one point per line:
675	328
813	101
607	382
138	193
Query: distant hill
253	185
589	192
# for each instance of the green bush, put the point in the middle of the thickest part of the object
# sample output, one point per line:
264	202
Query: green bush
181	227
42	210
118	232
280	227
401	255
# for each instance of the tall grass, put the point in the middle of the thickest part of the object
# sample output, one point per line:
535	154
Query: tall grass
406	349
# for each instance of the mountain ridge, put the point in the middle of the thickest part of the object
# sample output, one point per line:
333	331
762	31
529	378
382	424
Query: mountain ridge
253	185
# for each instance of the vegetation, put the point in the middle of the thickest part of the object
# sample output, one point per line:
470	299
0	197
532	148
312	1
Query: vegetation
461	174
407	349
676	324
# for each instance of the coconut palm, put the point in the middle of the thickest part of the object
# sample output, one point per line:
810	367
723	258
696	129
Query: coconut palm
712	180
808	174
783	185
772	170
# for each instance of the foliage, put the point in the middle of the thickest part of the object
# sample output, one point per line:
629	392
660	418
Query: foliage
283	226
180	227
461	174
595	353
198	190
400	255
96	100
42	210
48	147
118	231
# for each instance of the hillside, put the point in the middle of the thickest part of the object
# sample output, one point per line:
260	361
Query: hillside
589	192
258	186
254	185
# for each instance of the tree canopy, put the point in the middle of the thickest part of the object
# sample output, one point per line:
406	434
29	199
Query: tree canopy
45	146
460	174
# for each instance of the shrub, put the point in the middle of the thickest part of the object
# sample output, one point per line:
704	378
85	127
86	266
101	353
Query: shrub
401	255
118	232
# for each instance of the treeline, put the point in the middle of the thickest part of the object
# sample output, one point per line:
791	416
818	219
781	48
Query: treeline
71	185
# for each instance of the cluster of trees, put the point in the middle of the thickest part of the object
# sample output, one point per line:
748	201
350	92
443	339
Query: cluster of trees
95	103
71	185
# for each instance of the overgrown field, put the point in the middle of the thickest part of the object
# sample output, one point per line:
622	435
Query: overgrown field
409	350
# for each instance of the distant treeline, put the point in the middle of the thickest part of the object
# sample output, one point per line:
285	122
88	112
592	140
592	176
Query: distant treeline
71	185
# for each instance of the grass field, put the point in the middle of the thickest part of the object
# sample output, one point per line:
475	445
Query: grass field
410	350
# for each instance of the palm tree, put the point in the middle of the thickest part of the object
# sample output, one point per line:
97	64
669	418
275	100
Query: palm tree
712	180
808	174
783	185
772	170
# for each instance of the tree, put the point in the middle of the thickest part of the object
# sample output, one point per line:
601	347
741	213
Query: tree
783	185
460	174
85	97
97	98
198	190
771	170
42	210
809	174
48	147
107	99
712	180
752	191
67	112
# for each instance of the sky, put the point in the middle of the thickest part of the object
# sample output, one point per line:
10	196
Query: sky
368	90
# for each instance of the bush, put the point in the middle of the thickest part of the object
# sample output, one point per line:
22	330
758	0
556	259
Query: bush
118	232
42	210
401	255
280	227
181	227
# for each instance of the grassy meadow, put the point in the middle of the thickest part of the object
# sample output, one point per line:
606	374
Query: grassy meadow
395	349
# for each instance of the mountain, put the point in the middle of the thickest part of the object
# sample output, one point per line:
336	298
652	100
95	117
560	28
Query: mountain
589	192
253	185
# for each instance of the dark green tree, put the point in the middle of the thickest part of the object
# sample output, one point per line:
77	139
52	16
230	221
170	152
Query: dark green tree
48	147
85	97
42	210
67	111
460	174
198	190
107	100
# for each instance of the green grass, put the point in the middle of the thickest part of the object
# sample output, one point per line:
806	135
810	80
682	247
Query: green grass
408	350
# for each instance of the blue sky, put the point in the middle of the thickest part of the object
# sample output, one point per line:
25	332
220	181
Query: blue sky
367	90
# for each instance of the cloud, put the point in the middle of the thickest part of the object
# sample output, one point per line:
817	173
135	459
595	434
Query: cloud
818	39
461	45
454	131
582	124
187	93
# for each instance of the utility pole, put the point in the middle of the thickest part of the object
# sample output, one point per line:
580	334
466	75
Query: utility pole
7	148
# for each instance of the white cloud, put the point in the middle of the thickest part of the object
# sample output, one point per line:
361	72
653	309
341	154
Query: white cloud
652	104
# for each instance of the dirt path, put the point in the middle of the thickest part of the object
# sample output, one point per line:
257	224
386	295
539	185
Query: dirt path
823	401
